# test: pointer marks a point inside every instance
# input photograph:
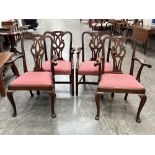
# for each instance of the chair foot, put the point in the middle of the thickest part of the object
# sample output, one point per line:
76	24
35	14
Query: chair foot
54	115
138	120
96	117
14	114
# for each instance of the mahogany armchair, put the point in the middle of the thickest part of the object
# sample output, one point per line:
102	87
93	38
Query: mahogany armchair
65	65
121	83
96	45
37	80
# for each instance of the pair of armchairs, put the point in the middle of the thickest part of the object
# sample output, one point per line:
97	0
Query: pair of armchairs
42	78
110	76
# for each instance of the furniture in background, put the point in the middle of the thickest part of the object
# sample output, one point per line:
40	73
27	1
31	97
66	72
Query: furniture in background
37	80
11	35
11	25
61	47
30	23
7	61
4	58
142	34
120	27
117	82
96	45
102	25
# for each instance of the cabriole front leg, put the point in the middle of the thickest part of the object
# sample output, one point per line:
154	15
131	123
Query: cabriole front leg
97	98
52	95
141	105
10	97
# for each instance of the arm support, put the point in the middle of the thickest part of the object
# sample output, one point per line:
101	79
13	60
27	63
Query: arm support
78	55
99	62
141	61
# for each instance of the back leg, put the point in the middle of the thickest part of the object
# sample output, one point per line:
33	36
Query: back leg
31	93
112	94
125	97
38	92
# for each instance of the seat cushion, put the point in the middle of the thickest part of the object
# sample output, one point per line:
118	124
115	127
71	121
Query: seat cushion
31	80
62	67
119	81
88	68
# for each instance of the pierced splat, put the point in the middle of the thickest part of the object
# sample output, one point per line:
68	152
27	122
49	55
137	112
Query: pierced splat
118	52
37	50
96	45
58	43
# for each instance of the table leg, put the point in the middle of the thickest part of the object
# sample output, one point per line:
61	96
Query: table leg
145	47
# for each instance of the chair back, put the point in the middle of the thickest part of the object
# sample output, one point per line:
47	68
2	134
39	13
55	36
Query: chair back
58	43
118	53
96	44
35	46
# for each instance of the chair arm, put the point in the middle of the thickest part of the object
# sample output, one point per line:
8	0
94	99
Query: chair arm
98	62
72	51
79	49
142	62
54	59
14	58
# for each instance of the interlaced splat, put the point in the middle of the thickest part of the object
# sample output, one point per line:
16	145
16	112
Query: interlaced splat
118	52
37	50
96	45
58	44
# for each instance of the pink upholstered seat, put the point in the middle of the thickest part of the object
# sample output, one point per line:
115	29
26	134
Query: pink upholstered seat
62	67
29	80
88	68
119	81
